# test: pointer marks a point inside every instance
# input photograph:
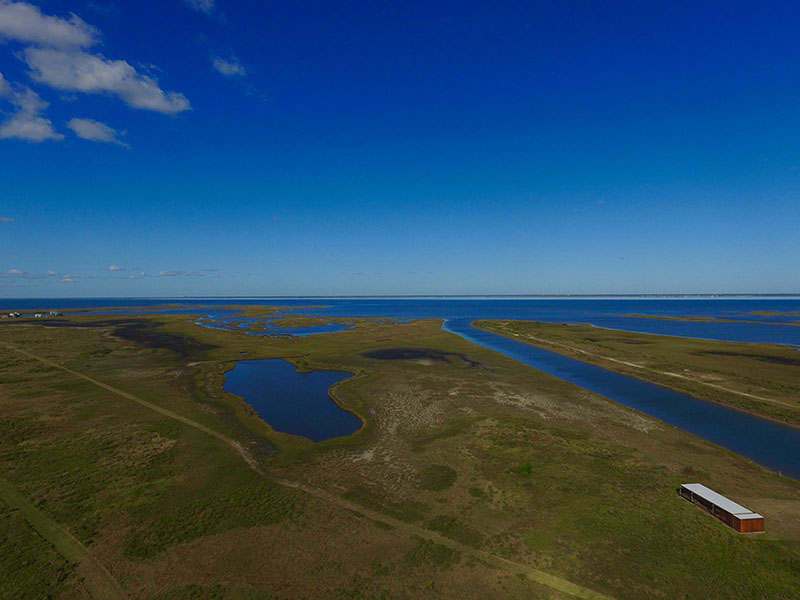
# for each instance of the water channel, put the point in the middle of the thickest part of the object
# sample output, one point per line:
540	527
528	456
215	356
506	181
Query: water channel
767	442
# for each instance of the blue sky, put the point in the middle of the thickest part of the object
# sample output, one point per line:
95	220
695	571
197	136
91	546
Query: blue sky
213	147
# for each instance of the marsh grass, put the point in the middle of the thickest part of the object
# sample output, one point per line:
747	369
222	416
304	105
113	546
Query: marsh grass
426	552
562	481
39	571
436	478
259	503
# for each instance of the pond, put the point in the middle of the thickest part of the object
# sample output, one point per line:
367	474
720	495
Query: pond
292	402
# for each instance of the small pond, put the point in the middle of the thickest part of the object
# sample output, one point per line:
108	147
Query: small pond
292	402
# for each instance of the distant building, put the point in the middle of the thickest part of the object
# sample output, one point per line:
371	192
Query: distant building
733	515
38	315
14	315
54	313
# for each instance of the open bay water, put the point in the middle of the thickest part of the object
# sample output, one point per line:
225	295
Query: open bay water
766	442
602	312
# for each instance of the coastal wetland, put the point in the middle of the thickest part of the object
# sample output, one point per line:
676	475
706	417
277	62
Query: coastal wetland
471	474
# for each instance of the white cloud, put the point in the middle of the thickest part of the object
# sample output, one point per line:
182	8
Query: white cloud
67	279
78	71
205	6
27	123
51	273
28	101
56	51
170	273
31	128
25	23
23	274
114	268
229	68
95	131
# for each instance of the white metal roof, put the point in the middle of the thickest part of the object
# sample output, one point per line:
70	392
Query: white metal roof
698	489
749	516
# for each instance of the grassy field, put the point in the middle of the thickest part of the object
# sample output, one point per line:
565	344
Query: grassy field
763	379
705	319
473	476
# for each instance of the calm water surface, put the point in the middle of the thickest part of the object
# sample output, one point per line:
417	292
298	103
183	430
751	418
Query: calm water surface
601	312
766	442
292	402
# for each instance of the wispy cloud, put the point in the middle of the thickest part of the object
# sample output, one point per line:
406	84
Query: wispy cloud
20	274
58	52
27	122
6	219
25	23
206	6
67	279
95	131
114	268
170	273
80	71
230	67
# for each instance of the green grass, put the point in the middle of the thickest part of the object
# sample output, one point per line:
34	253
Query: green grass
426	552
591	512
437	478
30	568
455	529
451	428
523	470
78	477
214	592
511	461
410	511
260	503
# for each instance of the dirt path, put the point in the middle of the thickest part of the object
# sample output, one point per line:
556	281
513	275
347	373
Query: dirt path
98	581
541	577
721	388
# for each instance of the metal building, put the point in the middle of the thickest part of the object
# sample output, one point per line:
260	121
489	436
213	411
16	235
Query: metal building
734	515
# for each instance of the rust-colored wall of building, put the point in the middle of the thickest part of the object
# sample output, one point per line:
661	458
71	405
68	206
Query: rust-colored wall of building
750	525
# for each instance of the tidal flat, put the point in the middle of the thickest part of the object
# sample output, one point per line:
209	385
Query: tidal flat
473	475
